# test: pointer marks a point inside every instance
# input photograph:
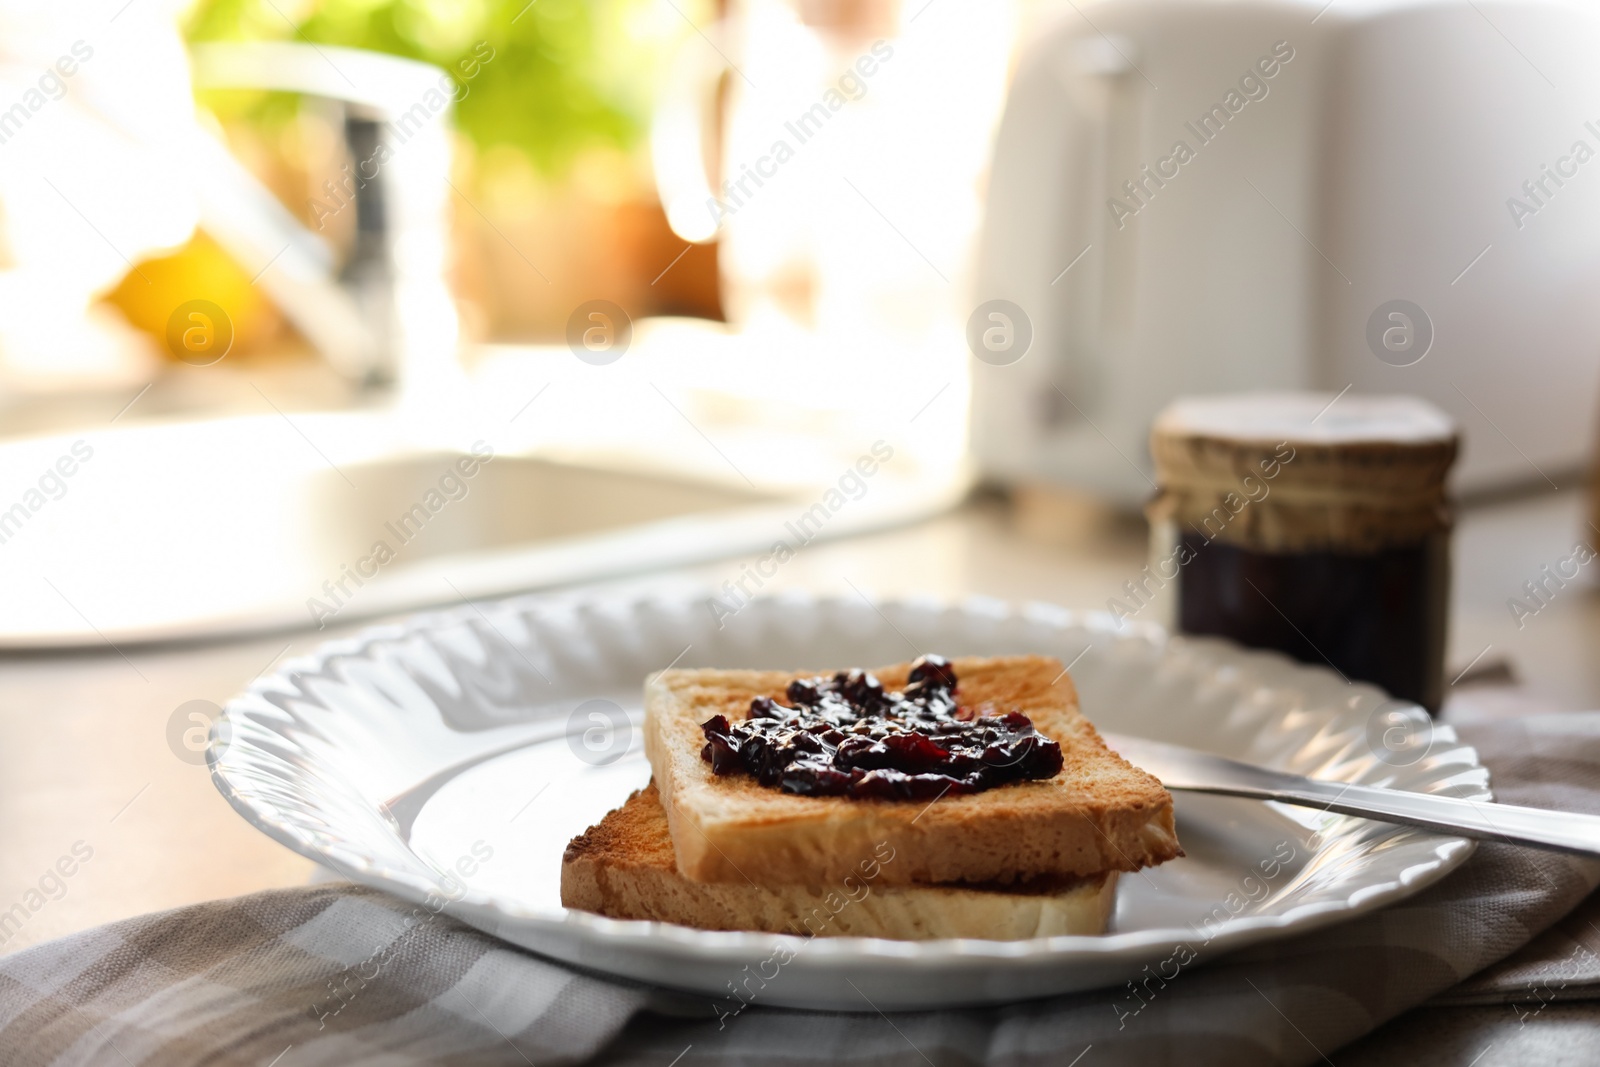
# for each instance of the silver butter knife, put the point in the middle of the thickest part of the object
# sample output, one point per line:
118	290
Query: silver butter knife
1200	772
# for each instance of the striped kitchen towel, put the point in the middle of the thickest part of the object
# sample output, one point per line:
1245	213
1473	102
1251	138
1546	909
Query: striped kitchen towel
341	975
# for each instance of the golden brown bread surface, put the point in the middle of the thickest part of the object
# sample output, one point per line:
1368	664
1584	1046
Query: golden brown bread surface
1099	814
624	867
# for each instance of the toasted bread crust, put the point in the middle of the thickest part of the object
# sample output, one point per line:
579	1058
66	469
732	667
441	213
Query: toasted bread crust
1099	814
623	867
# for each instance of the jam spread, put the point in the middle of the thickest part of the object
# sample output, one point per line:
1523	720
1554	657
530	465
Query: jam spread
849	737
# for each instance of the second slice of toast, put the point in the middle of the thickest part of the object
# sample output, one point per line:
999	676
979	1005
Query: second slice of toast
1098	814
623	867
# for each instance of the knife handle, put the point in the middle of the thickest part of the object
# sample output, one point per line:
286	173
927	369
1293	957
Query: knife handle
1485	820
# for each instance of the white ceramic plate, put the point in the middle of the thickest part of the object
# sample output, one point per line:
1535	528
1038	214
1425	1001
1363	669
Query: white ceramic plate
376	757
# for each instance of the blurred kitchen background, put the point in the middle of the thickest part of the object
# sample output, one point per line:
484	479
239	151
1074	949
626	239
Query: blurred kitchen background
277	266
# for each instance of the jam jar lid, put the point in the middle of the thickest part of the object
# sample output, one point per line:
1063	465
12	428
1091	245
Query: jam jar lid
1299	472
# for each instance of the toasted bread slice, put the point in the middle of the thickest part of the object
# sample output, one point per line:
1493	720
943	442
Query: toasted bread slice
624	868
1098	814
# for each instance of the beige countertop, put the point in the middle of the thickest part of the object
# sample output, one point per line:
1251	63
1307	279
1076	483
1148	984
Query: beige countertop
86	764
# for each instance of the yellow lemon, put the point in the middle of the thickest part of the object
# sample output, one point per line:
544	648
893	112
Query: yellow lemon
200	272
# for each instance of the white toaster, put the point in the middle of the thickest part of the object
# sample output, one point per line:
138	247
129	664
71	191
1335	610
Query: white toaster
1198	197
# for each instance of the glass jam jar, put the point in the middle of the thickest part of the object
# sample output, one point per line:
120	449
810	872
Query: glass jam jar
1311	524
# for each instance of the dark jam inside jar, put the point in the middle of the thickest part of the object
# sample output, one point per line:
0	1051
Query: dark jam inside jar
848	736
1378	617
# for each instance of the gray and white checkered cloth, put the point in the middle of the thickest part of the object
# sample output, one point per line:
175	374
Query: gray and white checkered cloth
339	975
